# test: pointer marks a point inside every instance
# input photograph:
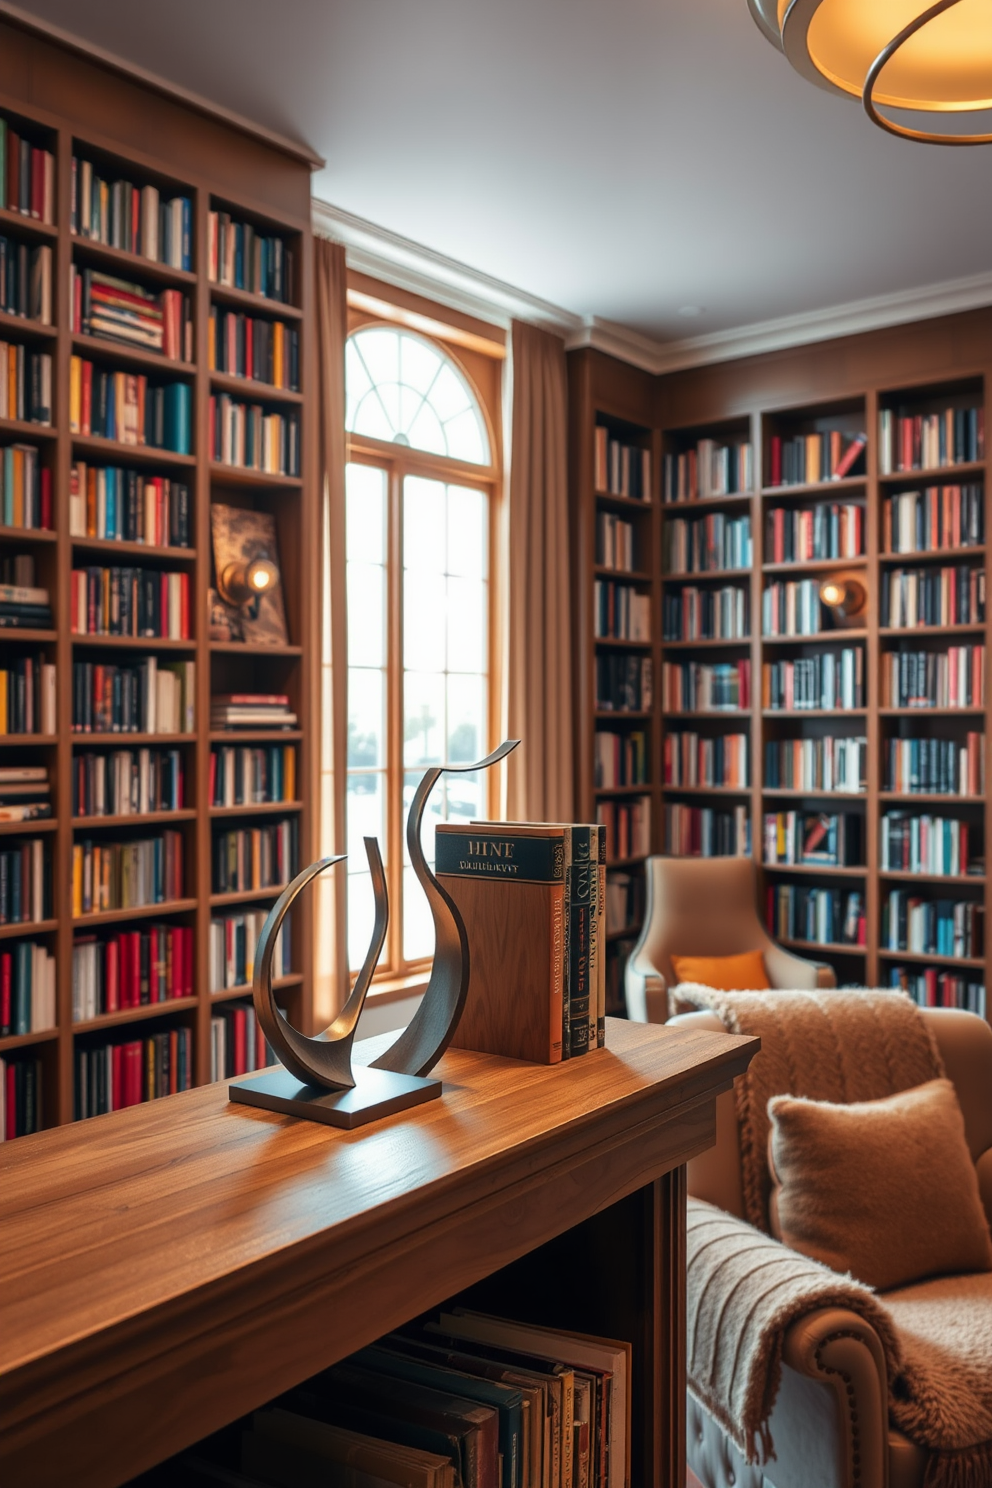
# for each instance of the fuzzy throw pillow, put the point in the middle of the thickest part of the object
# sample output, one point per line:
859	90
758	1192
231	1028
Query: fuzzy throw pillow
742	973
883	1189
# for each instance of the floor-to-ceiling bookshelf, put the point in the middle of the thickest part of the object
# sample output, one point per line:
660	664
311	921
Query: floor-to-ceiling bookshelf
80	110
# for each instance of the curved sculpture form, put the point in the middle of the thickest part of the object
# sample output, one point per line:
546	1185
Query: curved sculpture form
324	1060
421	1044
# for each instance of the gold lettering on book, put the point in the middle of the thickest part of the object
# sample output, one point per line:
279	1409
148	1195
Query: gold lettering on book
469	865
479	847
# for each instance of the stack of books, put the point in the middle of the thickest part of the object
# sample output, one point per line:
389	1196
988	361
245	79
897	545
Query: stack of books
237	1043
127	782
251	858
126	875
27	989
134	968
23	883
954	678
24	792
25	384
127	505
252	437
935	845
532	896
252	775
26	280
240	257
27	696
248	346
933	988
119	310
231	710
828	681
808	459
622	469
139	697
908	441
20	1096
912	597
25	488
703	832
233	939
711	469
113	1076
693	760
24	607
125	407
804	837
825	916
937	927
945	767
132	218
129	601
939	517
27	176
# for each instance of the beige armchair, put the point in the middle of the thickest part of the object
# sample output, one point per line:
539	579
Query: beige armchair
704	907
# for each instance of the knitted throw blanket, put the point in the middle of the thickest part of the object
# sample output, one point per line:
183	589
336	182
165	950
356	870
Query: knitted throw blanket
825	1045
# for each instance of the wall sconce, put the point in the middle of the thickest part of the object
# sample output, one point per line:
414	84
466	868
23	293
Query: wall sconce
846	598
240	583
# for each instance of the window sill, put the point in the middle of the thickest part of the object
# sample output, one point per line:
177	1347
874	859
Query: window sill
395	989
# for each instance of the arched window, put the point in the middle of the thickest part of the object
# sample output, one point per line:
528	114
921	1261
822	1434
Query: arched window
421	477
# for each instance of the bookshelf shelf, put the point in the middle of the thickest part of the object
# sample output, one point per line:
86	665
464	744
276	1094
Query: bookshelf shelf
931	712
135	1014
135	819
706	790
708	576
816	565
245	896
857	871
741	642
44	824
27	227
908	633
29	741
834	947
934	555
911	876
133	643
22	633
707	503
943	475
923	958
606	791
239	475
254	736
25	1040
813	795
110	546
27	535
27	928
124	741
103	349
241	299
260	808
139	912
129	265
821	638
113	452
279	984
21	327
933	797
818	488
616	644
242	648
252	390
636	576
22	429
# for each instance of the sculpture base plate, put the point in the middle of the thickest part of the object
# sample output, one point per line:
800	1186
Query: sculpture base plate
376	1093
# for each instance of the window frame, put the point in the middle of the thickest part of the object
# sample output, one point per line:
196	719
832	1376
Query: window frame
395	975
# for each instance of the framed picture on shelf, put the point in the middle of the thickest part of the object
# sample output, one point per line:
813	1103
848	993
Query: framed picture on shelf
241	537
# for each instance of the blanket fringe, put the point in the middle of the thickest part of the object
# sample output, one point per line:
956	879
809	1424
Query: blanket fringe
971	1467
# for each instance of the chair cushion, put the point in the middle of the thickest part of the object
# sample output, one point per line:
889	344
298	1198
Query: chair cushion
741	973
885	1189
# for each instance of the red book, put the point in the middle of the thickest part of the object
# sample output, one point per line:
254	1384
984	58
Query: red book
37	183
184	606
135	219
240	1041
112	977
776	461
87	398
132	1073
6	965
46	498
850	455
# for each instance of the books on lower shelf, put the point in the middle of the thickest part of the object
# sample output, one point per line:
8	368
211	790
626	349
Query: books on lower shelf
24	793
938	845
827	764
24	607
112	1076
954	595
26	280
614	542
136	219
25	384
20	1095
693	760
128	782
821	916
792	608
126	875
24	886
252	774
695	687
241	257
259	857
834	530
27	695
251	710
627	825
532	897
828	681
621	612
253	346
140	697
130	601
620	759
27	176
237	1043
807	459
624	902
27	988
691	614
933	519
932	927
707	544
935	766
233	940
116	309
251	437
624	682
621	469
713	468
109	501
925	441
830	840
25	488
954	678
932	987
131	969
129	408
705	832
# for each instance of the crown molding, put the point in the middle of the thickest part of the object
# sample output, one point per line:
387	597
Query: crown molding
408	265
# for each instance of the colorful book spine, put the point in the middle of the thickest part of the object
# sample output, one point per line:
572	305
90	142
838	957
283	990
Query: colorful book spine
113	1076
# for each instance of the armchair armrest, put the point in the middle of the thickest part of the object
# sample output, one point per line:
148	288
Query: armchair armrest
796	972
645	989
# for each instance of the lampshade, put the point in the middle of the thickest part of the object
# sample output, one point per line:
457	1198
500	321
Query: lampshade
894	54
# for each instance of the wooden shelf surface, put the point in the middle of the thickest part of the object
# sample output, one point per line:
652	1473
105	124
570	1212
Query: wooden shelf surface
243	299
135	1014
136	912
253	390
28	534
110	546
976	963
279	984
830	947
133	819
114	453
28	227
24	328
245	896
26	1040
133	643
710	643
818	488
239	475
105	349
86	251
941	475
258	808
27	928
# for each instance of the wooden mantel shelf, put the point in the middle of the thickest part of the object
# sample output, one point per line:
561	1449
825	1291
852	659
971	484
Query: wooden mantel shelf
169	1267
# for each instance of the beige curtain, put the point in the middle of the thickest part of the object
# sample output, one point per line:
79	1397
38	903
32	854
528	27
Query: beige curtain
330	900
539	649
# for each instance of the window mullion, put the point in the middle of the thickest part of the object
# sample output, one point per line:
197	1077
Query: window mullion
394	683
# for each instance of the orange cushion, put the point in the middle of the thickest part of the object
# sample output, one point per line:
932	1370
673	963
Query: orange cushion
743	973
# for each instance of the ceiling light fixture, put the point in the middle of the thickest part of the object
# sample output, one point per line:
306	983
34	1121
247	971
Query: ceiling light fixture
892	54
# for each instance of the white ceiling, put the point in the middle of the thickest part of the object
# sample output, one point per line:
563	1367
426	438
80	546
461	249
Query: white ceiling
620	158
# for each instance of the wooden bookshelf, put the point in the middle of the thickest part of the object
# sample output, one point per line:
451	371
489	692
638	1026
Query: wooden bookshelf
74	106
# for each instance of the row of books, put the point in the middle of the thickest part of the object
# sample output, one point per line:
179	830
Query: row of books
110	501
251	775
792	608
20	1096
241	257
25	488
935	766
615	543
620	759
237	1043
933	988
116	309
937	518
27	988
130	969
621	469
703	832
707	544
126	875
711	469
627	826
925	441
139	697
25	384
621	612
828	764
24	607
806	535
697	687
252	346
532	897
24	792
829	839
250	437
26	280
136	219
259	857
128	408
127	782
130	601
113	1076
938	845
822	916
807	459
692	614
232	710
27	695
624	902
624	683
693	760
954	678
932	596
932	927
27	176
233	941
24	883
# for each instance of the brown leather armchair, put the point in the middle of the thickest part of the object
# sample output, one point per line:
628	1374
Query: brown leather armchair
704	907
830	1421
